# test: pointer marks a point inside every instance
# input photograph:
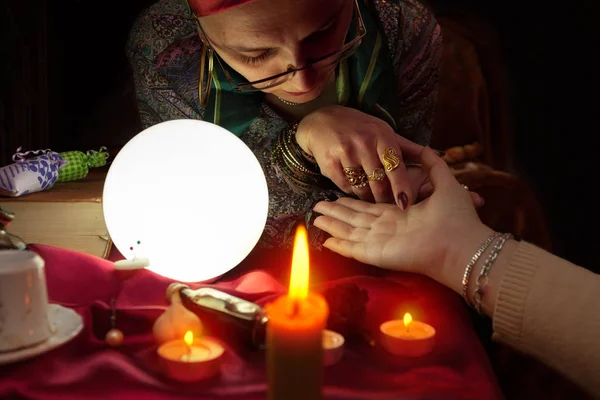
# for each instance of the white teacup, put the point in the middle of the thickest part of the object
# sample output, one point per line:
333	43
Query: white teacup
23	300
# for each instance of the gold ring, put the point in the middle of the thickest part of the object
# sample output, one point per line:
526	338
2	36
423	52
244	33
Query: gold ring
356	176
377	175
390	159
362	183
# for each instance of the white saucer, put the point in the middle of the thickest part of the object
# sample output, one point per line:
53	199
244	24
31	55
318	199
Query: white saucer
67	324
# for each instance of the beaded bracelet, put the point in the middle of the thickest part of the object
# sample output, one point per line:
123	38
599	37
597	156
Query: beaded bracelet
482	279
471	264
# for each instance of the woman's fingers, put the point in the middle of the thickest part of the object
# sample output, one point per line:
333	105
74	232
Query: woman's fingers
379	184
393	163
356	176
335	172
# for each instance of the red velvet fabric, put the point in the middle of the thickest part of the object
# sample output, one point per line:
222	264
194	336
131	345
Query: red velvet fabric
86	368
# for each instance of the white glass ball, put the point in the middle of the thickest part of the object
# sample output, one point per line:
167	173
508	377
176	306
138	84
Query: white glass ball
192	194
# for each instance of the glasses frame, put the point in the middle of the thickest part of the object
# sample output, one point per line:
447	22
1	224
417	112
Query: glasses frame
246	87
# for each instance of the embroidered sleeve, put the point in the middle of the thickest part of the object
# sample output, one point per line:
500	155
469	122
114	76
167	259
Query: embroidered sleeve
418	64
415	44
153	31
286	206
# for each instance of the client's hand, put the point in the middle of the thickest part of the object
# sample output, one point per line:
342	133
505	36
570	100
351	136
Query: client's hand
432	236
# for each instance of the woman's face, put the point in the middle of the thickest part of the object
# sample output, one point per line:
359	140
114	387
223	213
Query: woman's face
263	38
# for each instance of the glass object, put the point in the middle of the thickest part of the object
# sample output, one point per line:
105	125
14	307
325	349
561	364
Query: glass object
7	240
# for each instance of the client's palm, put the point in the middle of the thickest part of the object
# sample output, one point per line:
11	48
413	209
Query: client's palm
380	234
385	236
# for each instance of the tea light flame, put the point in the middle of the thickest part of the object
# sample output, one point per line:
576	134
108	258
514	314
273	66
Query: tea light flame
188	338
407	320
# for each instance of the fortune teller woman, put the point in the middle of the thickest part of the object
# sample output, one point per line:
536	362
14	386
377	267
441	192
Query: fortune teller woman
334	97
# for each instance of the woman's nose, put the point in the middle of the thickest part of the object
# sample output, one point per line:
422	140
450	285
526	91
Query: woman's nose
305	80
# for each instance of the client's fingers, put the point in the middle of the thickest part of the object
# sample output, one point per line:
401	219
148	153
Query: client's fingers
345	214
347	249
427	190
410	149
339	229
362	206
478	201
437	169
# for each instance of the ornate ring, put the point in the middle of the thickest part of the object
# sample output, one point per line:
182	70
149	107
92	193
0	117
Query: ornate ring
356	176
377	175
391	159
362	183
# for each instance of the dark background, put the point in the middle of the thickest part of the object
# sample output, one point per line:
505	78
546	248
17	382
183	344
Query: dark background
65	84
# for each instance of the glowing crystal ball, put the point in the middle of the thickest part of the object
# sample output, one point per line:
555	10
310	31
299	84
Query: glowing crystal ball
187	195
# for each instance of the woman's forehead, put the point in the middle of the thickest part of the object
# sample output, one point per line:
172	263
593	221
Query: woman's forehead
203	8
268	19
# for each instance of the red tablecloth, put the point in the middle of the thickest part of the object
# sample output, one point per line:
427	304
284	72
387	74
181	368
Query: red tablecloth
86	368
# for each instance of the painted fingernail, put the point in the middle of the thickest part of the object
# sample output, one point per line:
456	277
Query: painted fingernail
403	201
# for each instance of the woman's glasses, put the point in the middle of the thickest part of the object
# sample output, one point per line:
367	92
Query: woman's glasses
275	80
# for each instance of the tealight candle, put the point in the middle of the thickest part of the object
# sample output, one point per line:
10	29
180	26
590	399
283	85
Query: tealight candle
333	347
191	359
135	263
407	337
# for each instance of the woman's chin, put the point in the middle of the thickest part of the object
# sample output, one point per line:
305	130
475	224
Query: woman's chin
310	95
300	98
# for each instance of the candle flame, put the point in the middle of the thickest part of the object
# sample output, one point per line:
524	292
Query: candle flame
189	338
407	320
299	275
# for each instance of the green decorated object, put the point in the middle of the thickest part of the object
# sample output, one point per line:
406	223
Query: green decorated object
79	164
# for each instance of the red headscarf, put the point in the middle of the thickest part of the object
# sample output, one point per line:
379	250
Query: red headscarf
203	8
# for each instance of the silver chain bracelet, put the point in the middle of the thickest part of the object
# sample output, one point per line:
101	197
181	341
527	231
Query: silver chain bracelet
471	264
482	279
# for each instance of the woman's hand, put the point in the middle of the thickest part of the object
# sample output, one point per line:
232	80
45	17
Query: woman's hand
435	237
340	137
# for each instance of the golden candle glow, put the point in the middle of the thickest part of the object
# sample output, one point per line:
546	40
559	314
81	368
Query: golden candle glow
407	337
188	338
300	262
191	359
407	320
